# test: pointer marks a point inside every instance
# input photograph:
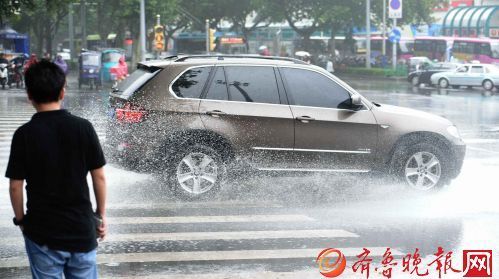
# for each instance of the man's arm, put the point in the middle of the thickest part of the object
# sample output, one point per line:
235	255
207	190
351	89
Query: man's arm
16	198
99	184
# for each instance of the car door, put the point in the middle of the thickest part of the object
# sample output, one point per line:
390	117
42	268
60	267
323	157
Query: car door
459	77
329	134
476	75
244	105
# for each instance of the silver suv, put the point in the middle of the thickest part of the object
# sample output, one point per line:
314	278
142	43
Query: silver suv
196	118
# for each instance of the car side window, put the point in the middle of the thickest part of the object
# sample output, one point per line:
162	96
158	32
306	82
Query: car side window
191	83
309	88
463	69
476	69
256	84
218	87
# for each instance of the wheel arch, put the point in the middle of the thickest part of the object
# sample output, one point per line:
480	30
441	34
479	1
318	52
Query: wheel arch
184	138
415	138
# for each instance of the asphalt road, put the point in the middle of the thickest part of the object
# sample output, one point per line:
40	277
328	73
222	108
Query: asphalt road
267	226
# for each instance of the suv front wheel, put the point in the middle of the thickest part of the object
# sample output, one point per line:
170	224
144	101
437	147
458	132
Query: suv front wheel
422	167
196	171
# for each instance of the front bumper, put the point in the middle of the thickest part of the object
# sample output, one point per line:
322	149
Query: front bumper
456	162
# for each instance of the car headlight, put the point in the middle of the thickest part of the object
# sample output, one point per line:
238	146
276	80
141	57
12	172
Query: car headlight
452	130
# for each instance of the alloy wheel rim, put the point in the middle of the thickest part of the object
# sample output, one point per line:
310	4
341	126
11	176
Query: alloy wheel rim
197	173
423	171
488	85
443	83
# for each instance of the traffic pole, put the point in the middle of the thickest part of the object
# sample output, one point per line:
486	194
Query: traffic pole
207	27
368	34
384	28
394	47
142	31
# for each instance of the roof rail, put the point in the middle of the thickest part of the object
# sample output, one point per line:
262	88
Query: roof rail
223	56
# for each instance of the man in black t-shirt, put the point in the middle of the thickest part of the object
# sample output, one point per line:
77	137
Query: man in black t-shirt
54	152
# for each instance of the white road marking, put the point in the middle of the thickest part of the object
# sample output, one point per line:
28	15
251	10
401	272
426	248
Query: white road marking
211	256
198	236
193	219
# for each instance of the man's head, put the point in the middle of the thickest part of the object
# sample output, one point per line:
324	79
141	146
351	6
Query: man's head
45	82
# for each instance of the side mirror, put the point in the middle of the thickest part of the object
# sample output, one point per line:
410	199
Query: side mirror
356	100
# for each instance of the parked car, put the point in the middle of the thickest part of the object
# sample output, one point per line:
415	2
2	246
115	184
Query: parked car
422	76
416	62
193	119
485	75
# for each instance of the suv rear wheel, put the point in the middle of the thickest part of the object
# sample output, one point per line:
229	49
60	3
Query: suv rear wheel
197	171
422	167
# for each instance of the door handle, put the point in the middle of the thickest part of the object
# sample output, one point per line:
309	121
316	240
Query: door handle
215	113
305	119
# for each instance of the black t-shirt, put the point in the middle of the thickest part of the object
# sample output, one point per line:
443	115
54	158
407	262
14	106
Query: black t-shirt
53	152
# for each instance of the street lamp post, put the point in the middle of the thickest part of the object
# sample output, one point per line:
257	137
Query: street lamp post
83	19
368	34
142	31
384	28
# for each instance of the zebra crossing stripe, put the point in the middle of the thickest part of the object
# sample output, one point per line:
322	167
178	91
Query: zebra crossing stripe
202	236
197	256
196	219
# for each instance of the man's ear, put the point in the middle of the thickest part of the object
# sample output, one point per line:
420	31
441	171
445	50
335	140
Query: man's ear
61	94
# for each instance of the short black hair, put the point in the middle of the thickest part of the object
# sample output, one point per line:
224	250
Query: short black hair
44	81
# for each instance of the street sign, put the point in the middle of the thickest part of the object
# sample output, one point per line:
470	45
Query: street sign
394	36
395	9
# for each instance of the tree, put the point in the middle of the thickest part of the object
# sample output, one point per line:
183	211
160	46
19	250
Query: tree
239	12
303	16
42	18
11	8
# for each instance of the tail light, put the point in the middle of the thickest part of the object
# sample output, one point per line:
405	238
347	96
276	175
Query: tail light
130	113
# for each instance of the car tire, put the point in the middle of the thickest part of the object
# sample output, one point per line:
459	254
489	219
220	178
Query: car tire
488	85
422	167
415	81
443	83
196	172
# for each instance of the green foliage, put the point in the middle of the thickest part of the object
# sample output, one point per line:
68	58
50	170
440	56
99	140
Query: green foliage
10	8
380	72
44	17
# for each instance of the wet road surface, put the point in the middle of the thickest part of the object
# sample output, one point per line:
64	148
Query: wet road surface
269	226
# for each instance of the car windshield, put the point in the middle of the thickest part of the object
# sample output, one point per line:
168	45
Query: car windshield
493	69
90	60
111	57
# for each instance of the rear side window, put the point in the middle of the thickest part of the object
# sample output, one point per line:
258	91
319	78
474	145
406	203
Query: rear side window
135	81
218	87
309	88
476	69
191	83
252	84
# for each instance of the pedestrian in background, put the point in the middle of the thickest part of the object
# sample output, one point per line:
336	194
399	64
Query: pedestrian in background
62	64
53	153
32	60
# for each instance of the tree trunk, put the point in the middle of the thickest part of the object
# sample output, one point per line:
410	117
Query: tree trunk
332	48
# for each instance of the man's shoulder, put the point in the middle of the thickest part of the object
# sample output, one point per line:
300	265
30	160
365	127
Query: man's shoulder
79	120
22	129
